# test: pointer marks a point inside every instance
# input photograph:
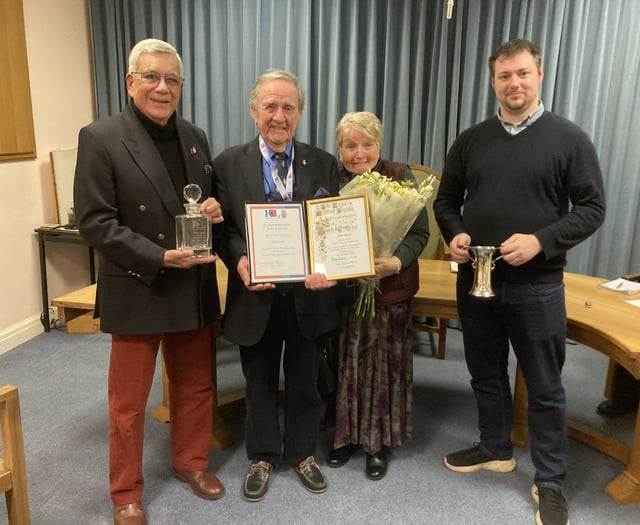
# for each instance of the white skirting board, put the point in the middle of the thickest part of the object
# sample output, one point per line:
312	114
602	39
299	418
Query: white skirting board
20	333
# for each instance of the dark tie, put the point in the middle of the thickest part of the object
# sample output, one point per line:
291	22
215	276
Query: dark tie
281	170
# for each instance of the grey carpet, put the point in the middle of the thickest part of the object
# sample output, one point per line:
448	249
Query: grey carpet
62	382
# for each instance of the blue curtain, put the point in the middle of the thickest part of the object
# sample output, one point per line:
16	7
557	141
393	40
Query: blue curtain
425	76
375	55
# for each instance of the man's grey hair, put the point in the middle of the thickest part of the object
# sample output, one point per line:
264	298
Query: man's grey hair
276	74
152	46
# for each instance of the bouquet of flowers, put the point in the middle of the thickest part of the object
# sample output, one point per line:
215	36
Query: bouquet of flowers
393	208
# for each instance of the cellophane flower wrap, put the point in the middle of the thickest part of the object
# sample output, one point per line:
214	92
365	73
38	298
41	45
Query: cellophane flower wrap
393	208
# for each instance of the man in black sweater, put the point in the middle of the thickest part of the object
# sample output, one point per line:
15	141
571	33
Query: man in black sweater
529	182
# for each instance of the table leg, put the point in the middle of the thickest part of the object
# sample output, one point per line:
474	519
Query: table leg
43	283
626	487
520	428
161	412
442	337
220	435
609	386
92	265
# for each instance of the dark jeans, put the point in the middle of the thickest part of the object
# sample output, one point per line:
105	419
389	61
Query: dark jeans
302	404
532	317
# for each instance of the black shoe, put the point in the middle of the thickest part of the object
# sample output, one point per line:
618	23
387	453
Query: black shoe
339	456
377	465
612	408
474	459
257	482
552	506
311	476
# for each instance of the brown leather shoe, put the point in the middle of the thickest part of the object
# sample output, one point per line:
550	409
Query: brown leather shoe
203	483
129	514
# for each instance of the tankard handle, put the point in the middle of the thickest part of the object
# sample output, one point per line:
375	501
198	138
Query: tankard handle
474	258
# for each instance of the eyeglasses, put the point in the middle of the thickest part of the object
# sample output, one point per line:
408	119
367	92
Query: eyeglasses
153	79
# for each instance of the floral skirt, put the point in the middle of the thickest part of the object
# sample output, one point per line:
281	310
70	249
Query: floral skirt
374	402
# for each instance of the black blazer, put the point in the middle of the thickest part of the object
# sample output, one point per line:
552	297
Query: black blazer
238	178
125	206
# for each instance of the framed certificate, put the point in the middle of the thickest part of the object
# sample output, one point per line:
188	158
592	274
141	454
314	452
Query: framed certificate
340	237
276	242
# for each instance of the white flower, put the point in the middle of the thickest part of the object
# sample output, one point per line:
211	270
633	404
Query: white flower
393	208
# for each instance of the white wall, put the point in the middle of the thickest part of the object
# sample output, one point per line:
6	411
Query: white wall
62	93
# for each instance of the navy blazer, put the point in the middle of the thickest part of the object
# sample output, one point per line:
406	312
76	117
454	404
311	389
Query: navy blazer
238	178
125	206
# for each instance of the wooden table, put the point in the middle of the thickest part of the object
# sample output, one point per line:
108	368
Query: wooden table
436	299
604	321
75	309
58	234
436	296
598	318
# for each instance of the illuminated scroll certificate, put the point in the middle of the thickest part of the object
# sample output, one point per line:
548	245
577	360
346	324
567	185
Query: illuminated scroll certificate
340	237
276	242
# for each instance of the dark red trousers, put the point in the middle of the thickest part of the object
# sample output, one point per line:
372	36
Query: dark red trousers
187	358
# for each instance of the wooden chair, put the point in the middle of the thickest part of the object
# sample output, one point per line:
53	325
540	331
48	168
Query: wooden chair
436	248
13	473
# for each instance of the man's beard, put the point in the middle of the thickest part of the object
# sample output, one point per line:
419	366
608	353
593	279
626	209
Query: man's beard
516	106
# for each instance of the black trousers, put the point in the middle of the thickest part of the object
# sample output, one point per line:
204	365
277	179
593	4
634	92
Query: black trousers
282	341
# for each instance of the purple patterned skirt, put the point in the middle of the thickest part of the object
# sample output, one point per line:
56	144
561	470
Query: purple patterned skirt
375	379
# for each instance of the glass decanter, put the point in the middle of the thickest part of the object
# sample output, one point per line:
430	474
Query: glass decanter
193	229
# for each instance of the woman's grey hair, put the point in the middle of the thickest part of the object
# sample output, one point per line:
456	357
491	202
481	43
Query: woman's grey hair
276	74
363	121
152	46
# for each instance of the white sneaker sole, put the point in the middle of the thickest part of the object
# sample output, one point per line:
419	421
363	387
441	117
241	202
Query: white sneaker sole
497	465
534	494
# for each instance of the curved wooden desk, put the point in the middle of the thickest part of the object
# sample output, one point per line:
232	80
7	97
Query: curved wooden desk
609	324
604	321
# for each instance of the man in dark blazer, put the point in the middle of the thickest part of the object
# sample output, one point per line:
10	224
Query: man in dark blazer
130	173
261	317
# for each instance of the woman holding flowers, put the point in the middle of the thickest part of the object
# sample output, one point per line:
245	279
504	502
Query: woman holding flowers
375	373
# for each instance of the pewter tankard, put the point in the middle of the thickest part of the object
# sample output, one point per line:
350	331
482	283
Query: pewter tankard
483	264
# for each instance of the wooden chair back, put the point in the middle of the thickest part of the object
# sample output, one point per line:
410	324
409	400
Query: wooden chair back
13	471
435	249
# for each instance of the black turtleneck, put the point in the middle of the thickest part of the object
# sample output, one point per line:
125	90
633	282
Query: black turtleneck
166	140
